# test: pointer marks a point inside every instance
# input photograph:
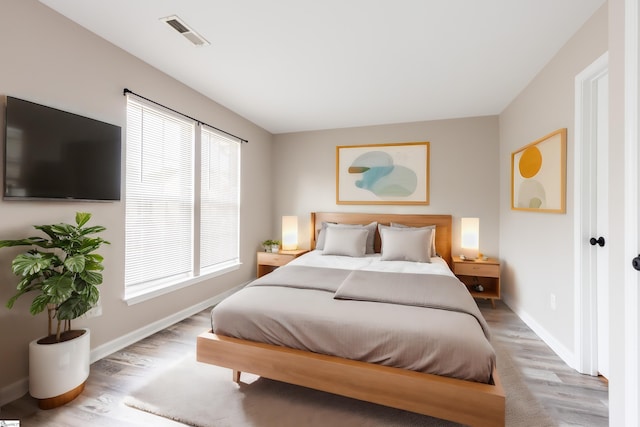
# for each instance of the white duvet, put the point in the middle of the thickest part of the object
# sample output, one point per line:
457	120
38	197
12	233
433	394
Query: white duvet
372	262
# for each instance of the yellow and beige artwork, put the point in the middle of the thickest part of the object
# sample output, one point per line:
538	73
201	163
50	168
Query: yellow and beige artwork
538	174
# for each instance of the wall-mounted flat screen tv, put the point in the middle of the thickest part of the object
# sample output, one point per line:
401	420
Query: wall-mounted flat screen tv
51	154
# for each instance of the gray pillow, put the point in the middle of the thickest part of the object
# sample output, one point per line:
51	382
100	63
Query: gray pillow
405	244
371	229
347	241
322	235
433	234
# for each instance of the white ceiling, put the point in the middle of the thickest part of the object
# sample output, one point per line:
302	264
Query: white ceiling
295	65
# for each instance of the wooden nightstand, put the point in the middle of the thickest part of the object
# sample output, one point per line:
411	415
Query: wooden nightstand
268	261
479	272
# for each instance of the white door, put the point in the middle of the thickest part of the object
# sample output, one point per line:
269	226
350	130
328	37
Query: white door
633	294
631	346
602	224
591	219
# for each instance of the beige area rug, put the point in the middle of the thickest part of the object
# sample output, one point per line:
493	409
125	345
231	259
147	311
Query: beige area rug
203	395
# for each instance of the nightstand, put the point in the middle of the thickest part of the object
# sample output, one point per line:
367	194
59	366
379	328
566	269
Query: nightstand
479	272
268	261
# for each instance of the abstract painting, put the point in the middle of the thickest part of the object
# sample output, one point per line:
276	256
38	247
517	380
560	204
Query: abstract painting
384	174
538	174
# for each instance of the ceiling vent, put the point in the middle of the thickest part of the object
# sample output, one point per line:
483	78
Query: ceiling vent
180	26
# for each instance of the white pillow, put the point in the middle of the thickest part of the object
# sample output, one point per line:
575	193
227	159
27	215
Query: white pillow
400	244
433	234
347	241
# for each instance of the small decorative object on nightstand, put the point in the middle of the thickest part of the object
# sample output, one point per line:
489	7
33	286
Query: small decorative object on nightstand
481	276
268	261
271	245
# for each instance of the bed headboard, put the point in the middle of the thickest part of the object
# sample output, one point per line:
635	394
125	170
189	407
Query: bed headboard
442	223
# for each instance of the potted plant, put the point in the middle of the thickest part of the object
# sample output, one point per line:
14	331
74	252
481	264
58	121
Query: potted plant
266	245
63	271
271	245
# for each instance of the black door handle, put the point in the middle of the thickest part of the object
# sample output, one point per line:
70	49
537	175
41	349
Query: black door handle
599	241
636	263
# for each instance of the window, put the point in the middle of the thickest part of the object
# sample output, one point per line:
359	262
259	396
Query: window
182	209
219	201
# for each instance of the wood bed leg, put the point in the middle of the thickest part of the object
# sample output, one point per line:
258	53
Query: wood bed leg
236	376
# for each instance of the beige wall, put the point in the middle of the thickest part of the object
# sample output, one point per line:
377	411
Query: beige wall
47	59
464	172
537	248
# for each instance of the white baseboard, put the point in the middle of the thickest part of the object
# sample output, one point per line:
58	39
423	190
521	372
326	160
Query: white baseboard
563	352
13	391
20	388
150	329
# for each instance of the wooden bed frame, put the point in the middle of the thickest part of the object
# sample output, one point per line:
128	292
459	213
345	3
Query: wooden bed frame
465	402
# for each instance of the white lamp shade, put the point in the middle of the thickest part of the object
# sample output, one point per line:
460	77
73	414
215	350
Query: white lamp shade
470	234
289	233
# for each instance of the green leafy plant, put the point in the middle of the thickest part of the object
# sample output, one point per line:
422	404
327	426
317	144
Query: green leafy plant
62	270
268	244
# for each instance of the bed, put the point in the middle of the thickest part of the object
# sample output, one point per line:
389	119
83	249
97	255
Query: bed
408	380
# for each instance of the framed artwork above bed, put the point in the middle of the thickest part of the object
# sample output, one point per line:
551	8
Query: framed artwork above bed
383	174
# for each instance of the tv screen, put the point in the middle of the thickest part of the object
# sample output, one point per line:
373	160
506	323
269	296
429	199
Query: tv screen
53	154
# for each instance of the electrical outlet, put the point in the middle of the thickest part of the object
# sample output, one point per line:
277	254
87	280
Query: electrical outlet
552	301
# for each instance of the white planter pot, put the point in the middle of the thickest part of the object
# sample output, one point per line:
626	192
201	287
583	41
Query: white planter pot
57	372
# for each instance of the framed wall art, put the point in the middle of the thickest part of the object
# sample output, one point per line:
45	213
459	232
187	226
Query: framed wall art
538	174
383	174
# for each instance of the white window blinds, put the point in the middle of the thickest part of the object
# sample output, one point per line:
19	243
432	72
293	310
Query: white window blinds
159	195
176	230
219	200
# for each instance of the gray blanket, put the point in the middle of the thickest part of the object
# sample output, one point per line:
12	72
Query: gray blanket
297	307
420	290
302	277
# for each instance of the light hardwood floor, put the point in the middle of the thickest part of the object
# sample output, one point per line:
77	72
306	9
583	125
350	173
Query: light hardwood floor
571	399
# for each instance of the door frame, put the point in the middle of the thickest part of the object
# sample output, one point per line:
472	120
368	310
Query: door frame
585	283
631	213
